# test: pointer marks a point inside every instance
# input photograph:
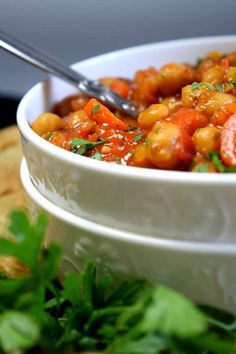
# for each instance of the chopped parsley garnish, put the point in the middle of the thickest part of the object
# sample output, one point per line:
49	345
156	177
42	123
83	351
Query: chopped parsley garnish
138	137
233	82
203	167
197	85
48	136
95	109
97	156
219	87
215	159
81	146
92	311
198	63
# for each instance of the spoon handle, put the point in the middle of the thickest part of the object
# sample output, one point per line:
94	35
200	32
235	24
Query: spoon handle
46	63
37	58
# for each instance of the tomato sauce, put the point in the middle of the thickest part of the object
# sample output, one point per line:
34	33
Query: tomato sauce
187	119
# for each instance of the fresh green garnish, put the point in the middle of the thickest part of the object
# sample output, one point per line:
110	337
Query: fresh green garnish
22	301
209	86
81	146
219	87
96	156
233	82
95	109
198	63
138	137
91	311
214	157
230	168
197	85
48	136
203	167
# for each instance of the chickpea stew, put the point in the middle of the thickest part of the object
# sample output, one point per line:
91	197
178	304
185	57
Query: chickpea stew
186	122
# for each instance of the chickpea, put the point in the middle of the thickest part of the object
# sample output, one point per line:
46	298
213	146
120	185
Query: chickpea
231	74
173	76
231	58
140	156
172	103
212	101
151	115
146	86
214	75
46	123
168	146
207	140
78	120
214	54
188	96
74	120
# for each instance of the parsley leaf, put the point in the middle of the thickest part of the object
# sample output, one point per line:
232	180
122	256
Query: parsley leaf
138	137
97	156
214	156
203	167
18	330
95	311
81	146
233	82
197	85
48	136
170	313
95	109
219	87
198	63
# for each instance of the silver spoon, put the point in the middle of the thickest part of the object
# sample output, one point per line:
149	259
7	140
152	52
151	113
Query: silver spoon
50	65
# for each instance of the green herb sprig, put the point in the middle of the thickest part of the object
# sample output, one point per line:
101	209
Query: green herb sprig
81	146
91	311
214	157
138	137
197	85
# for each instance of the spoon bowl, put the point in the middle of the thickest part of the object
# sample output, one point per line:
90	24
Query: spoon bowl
43	61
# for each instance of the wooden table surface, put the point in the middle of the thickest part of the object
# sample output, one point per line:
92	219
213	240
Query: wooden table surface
11	191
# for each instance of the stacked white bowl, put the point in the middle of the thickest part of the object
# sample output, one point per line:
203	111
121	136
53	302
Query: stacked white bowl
173	227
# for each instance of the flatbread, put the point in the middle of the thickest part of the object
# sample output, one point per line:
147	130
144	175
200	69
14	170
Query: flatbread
11	191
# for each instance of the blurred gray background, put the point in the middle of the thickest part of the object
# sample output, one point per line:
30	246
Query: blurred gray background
76	29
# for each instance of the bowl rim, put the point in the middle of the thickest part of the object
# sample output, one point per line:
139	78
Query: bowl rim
130	172
123	236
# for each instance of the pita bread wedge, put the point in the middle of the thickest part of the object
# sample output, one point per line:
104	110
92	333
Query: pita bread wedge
11	191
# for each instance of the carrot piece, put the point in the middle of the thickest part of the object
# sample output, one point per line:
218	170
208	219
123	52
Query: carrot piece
101	114
222	114
225	64
120	87
228	141
189	118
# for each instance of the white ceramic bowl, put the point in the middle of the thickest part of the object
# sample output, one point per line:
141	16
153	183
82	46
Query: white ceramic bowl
173	205
203	271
